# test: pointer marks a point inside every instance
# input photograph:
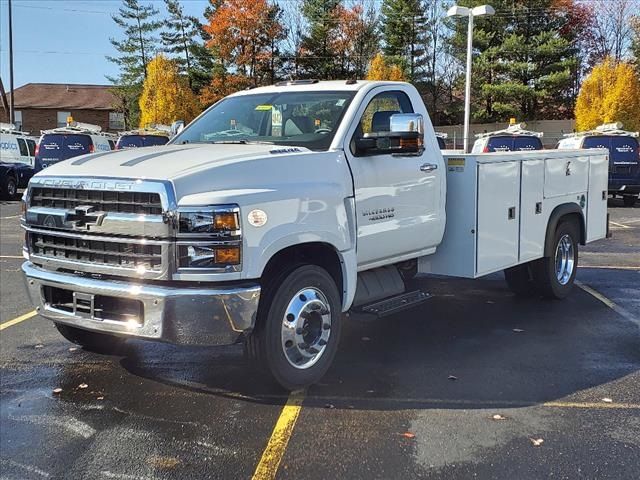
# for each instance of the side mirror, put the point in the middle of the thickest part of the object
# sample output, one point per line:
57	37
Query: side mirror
404	137
176	128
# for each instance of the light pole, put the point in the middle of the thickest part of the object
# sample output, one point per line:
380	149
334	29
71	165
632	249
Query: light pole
479	11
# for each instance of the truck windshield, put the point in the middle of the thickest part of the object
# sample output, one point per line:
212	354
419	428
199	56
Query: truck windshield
58	146
622	149
302	119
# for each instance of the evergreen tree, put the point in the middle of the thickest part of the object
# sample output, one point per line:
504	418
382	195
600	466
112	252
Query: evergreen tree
526	63
319	58
184	39
138	26
403	26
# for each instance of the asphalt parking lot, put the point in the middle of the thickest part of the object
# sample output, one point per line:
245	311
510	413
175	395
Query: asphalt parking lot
474	384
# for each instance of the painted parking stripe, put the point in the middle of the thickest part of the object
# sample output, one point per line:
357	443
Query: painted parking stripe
21	318
610	267
272	455
620	225
12	256
593	405
609	303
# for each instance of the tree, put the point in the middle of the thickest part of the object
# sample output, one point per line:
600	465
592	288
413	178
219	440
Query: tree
184	40
245	35
138	26
403	27
166	96
611	93
355	41
319	57
526	62
610	31
382	69
635	41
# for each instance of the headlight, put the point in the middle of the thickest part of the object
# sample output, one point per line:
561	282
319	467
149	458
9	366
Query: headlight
209	220
207	256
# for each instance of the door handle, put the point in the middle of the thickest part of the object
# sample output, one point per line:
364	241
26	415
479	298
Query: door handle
428	167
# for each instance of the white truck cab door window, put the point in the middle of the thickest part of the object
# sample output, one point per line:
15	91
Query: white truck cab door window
397	196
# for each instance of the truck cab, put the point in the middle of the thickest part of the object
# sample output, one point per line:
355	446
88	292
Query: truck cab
279	209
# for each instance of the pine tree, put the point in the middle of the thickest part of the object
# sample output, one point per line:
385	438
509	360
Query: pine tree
184	38
319	57
611	93
403	26
138	26
166	96
527	63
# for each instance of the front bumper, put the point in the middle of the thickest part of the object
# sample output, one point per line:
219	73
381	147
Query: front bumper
218	315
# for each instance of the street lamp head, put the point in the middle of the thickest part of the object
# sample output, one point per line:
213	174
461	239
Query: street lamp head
457	11
483	10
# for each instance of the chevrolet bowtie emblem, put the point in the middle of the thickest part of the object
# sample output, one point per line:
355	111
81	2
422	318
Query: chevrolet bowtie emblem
84	217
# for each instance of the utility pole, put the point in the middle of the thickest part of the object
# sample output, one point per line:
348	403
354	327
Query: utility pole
11	100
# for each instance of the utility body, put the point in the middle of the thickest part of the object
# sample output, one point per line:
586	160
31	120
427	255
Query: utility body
282	207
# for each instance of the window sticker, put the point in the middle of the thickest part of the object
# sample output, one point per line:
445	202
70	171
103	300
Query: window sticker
263	108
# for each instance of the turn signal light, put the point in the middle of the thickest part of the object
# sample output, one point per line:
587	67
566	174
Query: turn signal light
228	256
226	221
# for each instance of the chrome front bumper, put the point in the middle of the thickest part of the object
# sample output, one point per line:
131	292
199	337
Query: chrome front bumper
180	315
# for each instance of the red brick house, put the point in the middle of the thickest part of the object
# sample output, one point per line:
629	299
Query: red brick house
41	106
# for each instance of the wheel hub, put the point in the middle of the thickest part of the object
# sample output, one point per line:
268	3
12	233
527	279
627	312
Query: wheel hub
306	327
564	259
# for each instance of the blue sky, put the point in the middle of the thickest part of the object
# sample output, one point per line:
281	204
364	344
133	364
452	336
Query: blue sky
64	41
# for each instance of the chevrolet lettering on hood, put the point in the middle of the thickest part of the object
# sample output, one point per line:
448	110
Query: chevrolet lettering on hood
82	184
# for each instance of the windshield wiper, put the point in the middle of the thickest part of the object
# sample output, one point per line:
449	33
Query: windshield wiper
241	142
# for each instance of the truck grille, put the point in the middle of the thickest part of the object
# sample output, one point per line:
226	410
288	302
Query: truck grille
141	203
107	253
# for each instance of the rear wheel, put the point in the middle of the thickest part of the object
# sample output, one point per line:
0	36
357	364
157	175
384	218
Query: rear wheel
629	200
9	188
554	276
298	327
93	341
520	281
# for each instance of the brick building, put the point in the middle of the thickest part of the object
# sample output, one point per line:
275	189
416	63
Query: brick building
41	106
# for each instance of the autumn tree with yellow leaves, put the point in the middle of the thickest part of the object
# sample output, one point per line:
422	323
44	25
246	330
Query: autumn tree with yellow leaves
383	69
166	95
611	93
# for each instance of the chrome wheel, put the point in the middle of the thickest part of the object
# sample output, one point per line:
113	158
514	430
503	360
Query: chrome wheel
11	189
306	328
564	259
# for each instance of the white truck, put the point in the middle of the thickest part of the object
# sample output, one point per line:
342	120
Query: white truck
280	208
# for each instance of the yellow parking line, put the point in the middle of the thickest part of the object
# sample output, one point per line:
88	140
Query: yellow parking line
621	406
272	455
609	303
21	318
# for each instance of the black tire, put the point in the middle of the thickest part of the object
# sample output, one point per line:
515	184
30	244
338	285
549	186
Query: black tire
520	280
9	188
544	274
629	200
92	341
265	345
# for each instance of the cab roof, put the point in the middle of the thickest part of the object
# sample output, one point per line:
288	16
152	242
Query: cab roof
606	129
317	86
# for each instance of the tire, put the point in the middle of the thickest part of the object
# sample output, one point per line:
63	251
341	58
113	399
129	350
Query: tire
520	280
298	327
9	188
629	200
92	341
553	277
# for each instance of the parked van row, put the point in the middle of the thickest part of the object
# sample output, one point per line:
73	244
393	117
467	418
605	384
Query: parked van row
22	154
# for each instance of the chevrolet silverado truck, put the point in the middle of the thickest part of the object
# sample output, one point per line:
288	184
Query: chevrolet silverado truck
280	208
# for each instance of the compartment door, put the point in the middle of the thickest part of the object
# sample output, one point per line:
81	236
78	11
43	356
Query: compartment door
533	221
597	198
498	216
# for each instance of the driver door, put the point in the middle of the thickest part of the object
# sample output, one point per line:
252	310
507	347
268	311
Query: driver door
398	198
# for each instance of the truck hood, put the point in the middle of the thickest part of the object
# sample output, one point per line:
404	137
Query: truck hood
204	174
163	162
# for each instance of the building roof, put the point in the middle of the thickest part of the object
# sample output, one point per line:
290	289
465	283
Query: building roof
64	96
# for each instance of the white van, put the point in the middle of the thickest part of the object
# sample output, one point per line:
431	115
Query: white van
71	141
16	146
513	139
624	157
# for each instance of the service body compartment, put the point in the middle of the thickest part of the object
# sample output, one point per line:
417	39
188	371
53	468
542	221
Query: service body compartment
499	204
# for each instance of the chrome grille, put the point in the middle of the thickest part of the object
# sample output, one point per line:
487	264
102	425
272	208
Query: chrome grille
141	203
119	254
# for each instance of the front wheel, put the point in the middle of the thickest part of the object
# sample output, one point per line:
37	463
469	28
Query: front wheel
554	276
298	327
92	341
